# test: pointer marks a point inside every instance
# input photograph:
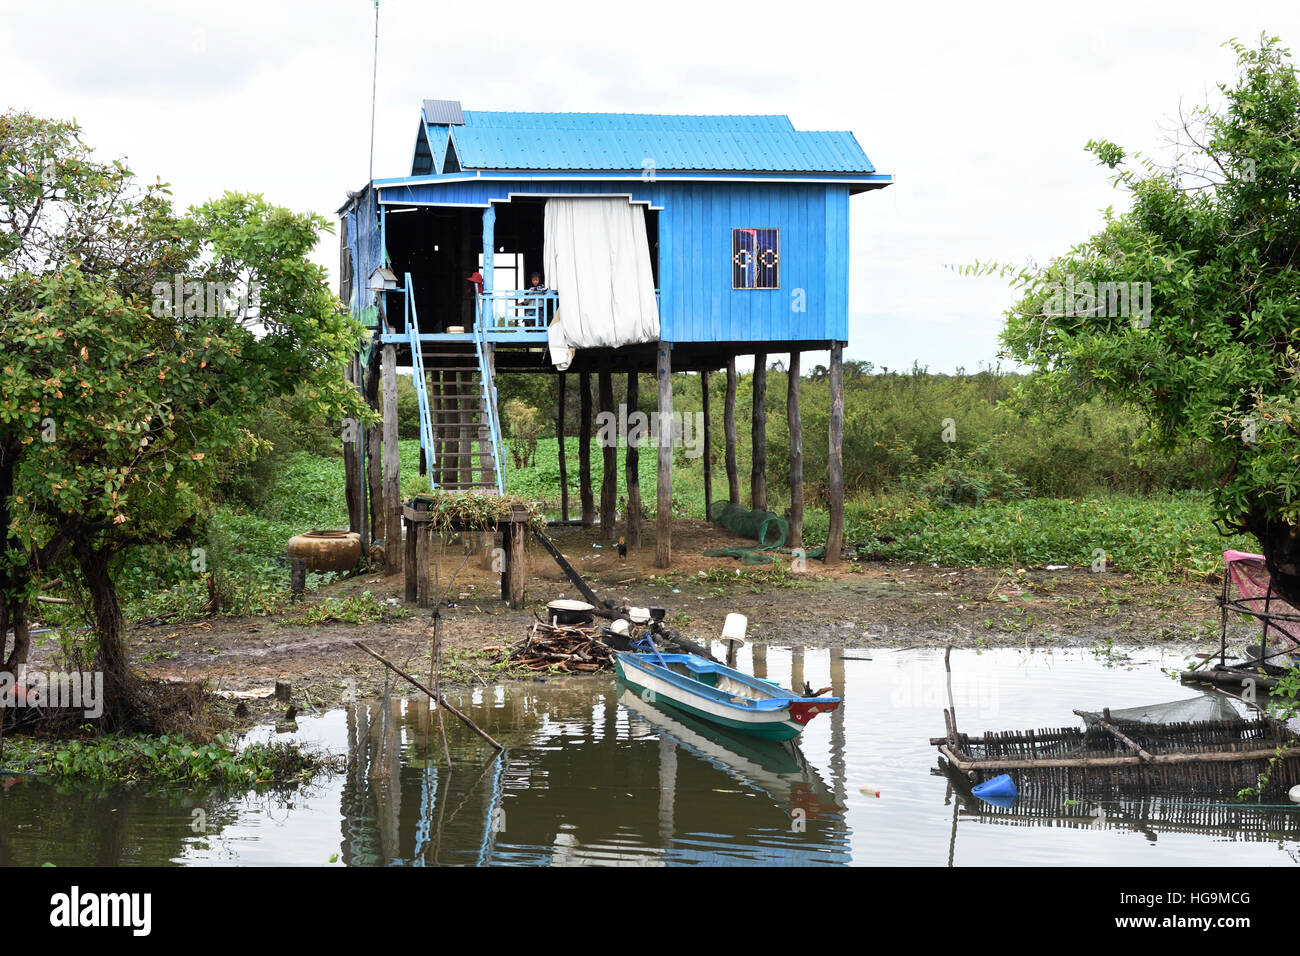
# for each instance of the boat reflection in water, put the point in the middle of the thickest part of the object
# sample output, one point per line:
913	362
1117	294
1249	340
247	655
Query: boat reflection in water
583	781
776	768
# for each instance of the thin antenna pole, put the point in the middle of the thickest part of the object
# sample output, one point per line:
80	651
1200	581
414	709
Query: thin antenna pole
374	82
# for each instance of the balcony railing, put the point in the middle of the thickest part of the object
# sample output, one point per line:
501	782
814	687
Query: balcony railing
516	312
519	313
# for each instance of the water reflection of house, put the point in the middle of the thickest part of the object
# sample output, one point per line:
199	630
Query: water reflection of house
612	788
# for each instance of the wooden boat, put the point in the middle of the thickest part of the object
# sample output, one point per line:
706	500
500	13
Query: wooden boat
719	694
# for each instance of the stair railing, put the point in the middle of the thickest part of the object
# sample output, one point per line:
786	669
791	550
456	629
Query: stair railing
489	386
421	384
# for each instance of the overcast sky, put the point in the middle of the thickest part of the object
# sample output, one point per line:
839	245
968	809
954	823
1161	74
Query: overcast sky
980	110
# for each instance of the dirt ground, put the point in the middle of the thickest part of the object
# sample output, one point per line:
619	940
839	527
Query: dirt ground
855	604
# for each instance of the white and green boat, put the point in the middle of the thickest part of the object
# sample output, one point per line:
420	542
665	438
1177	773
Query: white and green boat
719	694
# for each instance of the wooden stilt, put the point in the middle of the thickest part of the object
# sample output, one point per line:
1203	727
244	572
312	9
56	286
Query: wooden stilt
374	465
835	463
729	434
584	451
516	569
708	443
423	533
633	464
354	491
796	451
410	563
664	507
609	461
758	442
564	464
392	467
375	480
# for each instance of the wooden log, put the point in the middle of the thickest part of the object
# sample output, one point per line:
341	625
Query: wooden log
584	451
796	452
729	434
516	569
664	508
758	436
1123	738
392	466
1133	760
564	464
609	461
633	465
705	375
835	460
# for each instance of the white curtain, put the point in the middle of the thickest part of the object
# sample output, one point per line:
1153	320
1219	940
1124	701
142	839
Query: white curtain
597	257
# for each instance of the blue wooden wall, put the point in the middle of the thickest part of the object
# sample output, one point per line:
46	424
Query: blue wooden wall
698	303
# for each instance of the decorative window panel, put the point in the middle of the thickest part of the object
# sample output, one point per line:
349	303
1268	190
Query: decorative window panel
756	258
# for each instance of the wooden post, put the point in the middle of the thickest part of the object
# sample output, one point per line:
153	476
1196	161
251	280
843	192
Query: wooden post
410	563
423	532
729	434
516	569
354	490
633	464
375	479
584	451
796	452
609	461
835	464
758	442
374	464
664	508
392	467
564	464
708	443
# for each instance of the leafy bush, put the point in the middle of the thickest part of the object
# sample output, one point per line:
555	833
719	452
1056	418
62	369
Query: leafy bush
970	480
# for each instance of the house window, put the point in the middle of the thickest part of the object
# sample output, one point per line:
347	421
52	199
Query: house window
756	258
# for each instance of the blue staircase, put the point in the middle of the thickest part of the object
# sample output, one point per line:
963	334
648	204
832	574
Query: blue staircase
460	433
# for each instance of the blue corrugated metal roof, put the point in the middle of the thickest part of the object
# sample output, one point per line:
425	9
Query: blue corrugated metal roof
624	141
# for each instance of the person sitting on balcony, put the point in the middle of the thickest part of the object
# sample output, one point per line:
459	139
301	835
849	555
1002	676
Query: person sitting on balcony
534	309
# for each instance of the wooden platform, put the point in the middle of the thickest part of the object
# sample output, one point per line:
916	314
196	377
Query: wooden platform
418	545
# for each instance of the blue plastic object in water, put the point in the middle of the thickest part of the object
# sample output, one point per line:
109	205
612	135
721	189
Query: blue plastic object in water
1000	791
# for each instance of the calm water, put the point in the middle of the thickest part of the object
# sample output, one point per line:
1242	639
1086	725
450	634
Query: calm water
592	777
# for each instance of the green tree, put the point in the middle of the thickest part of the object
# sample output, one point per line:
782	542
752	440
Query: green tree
140	346
1187	307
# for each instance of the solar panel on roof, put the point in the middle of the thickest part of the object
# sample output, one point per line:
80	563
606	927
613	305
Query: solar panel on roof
443	113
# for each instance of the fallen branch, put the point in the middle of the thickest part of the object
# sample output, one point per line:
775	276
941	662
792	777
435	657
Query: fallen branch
442	701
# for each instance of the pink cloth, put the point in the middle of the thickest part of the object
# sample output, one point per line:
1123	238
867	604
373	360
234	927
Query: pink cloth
1251	578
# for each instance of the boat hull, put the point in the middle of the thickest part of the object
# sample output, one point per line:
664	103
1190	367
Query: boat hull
783	718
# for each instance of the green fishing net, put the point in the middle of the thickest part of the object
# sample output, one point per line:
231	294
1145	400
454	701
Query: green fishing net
771	531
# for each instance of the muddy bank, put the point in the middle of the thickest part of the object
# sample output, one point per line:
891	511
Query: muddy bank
859	604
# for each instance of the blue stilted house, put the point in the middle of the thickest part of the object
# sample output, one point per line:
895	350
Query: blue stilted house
664	243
